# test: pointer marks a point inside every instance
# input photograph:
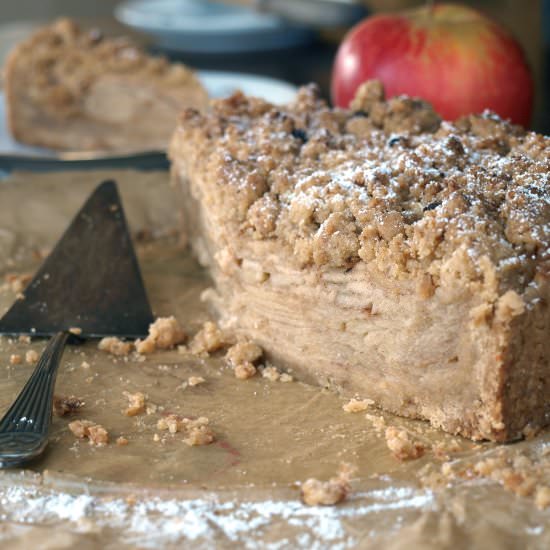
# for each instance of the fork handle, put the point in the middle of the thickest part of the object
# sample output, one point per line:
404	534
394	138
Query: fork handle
30	415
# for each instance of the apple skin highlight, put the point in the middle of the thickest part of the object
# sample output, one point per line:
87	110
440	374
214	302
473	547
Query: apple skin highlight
452	56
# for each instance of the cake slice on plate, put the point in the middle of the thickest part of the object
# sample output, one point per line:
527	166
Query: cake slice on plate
380	251
76	90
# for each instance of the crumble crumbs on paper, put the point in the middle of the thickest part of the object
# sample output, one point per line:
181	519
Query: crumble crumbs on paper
66	405
196	432
31	357
442	451
328	493
97	435
195	381
523	475
377	421
15	359
115	346
210	338
17	282
357	405
242	356
245	370
136	403
273	374
164	333
542	498
121	441
402	445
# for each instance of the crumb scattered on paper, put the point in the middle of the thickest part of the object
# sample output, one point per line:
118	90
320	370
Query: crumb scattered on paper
273	374
66	405
328	493
31	357
17	282
95	433
164	333
115	346
209	339
242	356
357	405
195	432
403	445
15	359
136	403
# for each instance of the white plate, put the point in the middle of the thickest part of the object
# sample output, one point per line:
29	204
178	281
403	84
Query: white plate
218	84
222	84
203	26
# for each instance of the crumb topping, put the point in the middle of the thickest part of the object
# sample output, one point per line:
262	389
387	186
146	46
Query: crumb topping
386	183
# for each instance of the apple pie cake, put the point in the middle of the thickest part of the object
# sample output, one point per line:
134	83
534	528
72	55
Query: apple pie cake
71	89
380	251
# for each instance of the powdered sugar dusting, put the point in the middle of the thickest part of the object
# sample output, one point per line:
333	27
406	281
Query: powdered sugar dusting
154	521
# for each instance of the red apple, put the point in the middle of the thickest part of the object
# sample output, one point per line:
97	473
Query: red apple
450	55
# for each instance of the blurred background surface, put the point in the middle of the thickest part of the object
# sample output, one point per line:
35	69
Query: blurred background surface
528	20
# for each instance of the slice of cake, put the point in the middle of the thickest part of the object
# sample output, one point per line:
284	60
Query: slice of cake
380	251
75	90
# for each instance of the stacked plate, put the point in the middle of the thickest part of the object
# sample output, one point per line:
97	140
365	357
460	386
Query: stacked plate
202	26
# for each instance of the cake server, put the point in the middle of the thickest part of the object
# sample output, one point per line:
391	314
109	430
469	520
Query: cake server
90	285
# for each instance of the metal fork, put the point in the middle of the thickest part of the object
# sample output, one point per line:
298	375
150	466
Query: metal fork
24	428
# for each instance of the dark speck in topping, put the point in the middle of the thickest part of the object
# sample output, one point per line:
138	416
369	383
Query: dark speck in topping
361	114
431	206
394	140
298	133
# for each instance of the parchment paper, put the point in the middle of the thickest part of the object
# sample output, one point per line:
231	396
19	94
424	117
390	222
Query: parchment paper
243	490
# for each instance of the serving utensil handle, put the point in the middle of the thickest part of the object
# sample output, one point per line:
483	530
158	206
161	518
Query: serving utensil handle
24	428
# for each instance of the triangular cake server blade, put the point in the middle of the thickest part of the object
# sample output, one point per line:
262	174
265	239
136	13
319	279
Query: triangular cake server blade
90	281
